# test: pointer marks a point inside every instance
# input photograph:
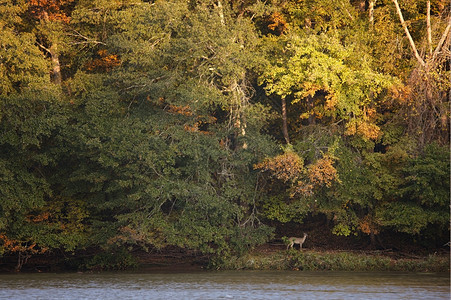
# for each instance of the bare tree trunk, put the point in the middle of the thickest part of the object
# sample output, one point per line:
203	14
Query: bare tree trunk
285	121
54	56
221	12
404	25
56	64
442	40
428	21
371	5
21	260
239	90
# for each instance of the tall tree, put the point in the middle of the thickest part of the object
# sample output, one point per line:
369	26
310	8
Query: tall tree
50	18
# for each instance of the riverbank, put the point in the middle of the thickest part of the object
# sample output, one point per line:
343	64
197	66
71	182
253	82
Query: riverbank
265	257
311	260
276	257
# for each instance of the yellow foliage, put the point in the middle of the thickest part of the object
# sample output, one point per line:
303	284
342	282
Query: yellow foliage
331	101
310	88
365	129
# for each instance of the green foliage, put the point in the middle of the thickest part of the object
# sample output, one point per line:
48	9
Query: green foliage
424	195
315	64
22	65
278	209
111	260
160	132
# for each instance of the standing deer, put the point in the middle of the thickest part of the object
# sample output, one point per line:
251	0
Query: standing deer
296	240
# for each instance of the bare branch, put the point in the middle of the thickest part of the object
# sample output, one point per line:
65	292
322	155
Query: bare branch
412	43
84	39
442	40
46	49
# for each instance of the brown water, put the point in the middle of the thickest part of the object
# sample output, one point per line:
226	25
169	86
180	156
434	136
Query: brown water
227	285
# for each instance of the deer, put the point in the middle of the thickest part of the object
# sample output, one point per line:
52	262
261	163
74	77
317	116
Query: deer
296	240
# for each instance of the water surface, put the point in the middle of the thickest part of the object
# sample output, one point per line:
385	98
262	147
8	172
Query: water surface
227	285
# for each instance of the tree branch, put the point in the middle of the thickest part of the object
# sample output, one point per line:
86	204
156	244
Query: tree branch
45	48
412	43
442	40
85	39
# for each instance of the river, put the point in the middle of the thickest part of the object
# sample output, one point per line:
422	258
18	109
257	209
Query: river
226	285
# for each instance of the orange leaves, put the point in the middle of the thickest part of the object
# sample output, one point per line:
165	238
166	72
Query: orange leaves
180	110
287	167
401	93
367	225
39	218
277	23
331	101
50	10
127	234
322	172
13	245
104	62
187	112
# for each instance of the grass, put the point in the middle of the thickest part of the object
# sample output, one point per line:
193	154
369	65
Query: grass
334	261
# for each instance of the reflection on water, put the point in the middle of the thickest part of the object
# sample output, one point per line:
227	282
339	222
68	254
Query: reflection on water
226	285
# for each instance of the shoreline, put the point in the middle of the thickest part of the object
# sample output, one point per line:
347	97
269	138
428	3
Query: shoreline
258	259
332	260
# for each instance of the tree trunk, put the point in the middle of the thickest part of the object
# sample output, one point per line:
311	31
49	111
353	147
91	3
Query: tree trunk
442	40
372	239
221	12
428	21
284	121
56	64
311	117
404	25
54	56
21	260
371	5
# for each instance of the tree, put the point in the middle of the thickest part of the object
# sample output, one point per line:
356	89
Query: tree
429	110
48	18
341	86
171	165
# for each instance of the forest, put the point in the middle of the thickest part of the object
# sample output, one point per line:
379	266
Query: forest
212	125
